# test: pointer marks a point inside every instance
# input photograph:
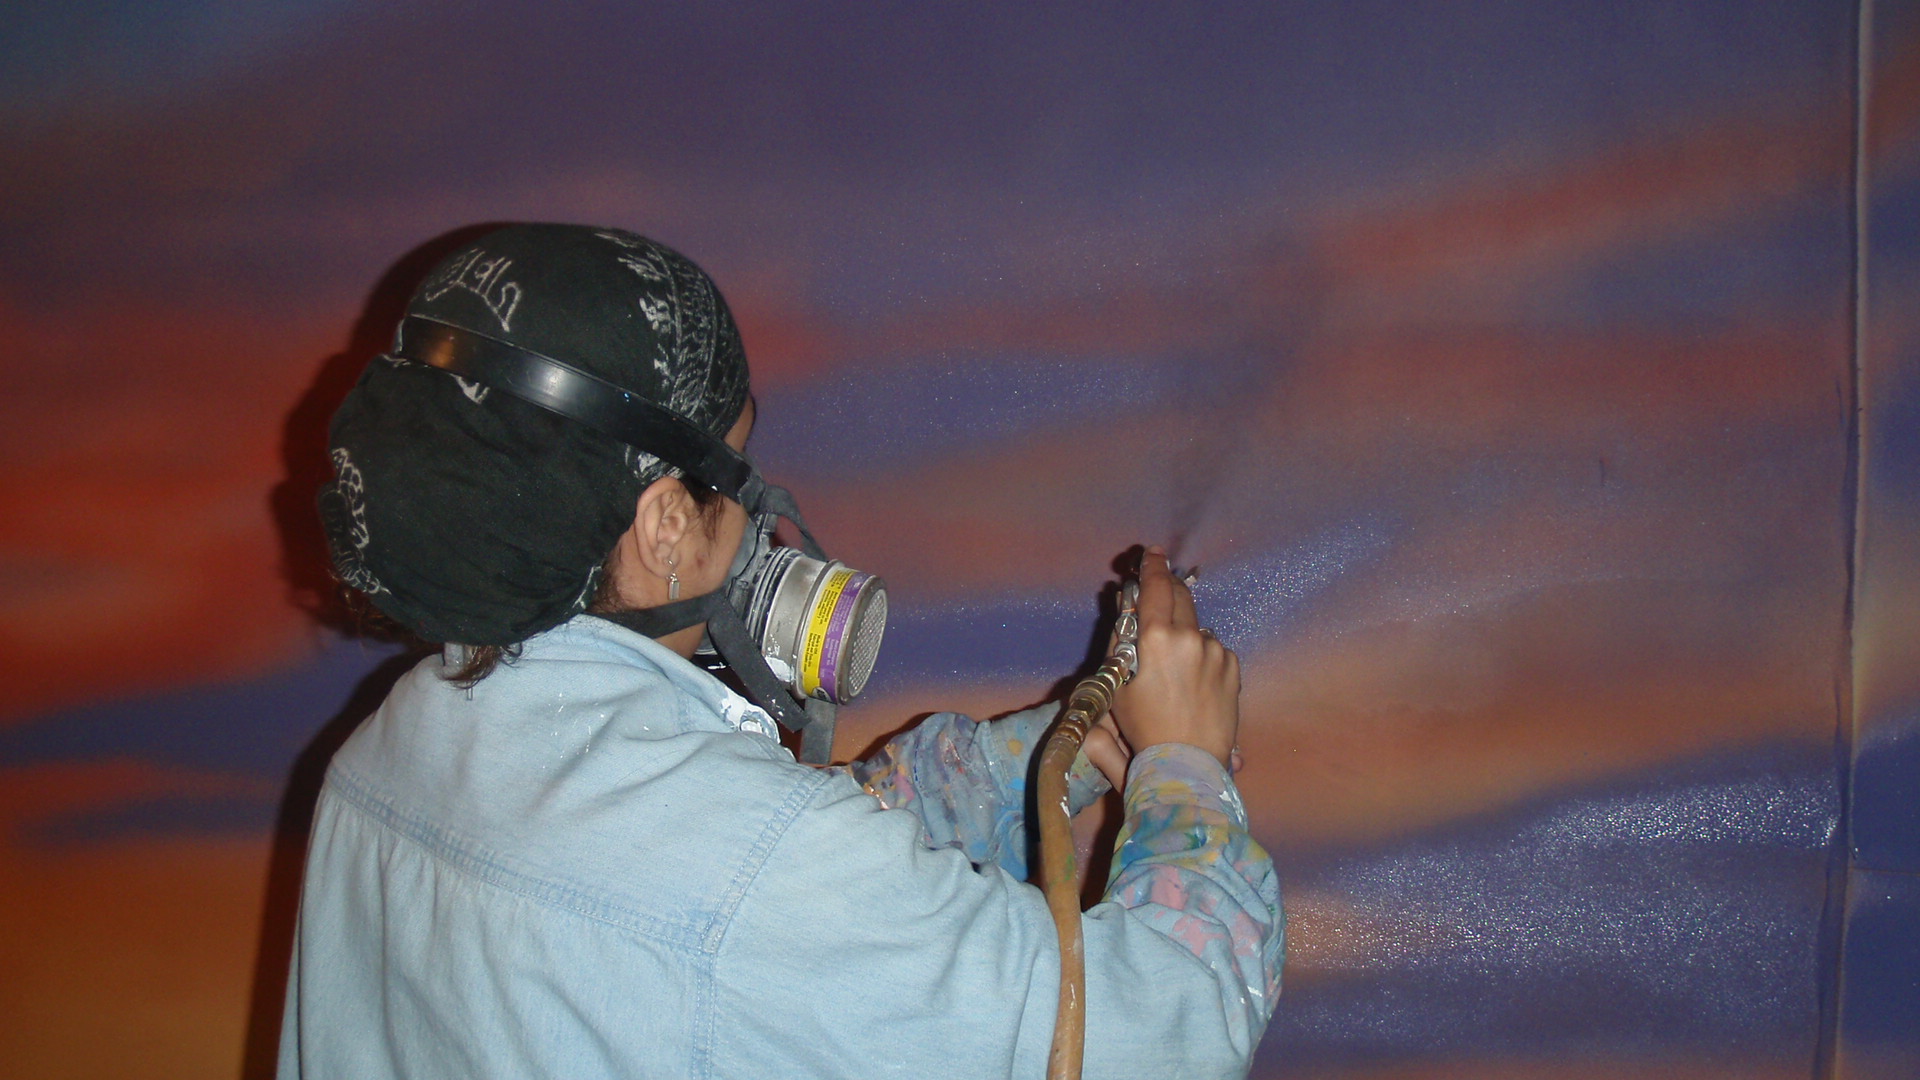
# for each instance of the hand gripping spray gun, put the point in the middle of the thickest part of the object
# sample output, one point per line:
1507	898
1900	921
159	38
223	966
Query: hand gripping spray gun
1089	701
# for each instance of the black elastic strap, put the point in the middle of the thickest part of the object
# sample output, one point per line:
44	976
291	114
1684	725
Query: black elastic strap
742	654
816	742
561	388
660	621
779	501
737	647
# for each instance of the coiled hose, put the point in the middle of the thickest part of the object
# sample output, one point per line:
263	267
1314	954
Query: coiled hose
1059	878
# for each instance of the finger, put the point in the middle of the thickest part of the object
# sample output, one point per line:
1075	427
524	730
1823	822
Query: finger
1235	762
1156	588
1106	754
1183	613
1213	653
1172	601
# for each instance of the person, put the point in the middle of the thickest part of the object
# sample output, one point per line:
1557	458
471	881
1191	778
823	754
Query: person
560	848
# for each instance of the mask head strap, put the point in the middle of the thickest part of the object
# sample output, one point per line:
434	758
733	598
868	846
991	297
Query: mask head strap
562	388
778	502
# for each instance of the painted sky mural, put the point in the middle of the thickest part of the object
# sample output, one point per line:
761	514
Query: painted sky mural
1499	363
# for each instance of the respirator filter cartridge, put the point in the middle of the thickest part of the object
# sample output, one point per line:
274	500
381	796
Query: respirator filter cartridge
818	623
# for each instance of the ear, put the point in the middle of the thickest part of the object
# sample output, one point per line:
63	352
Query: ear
661	520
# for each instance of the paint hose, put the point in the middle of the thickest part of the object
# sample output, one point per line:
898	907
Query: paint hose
1059	878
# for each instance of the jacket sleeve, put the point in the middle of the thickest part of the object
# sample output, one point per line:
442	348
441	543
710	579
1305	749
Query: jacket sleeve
1186	865
967	781
859	951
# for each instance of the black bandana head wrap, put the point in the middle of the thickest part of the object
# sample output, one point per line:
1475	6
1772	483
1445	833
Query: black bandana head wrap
472	516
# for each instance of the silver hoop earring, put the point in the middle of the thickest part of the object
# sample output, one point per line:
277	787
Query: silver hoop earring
673	579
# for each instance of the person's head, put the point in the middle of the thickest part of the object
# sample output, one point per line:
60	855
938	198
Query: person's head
476	517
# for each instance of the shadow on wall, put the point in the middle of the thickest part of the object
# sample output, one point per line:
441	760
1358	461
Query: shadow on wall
304	563
288	860
308	572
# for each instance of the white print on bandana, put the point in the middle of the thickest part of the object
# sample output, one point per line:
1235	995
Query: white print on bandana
586	591
649	270
641	462
621	239
658	312
650	266
682	309
484	278
353	490
475	392
641	256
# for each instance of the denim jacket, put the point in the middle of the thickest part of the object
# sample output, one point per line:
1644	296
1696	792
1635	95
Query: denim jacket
599	862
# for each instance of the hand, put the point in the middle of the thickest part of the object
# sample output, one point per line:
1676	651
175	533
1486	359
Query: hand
1187	688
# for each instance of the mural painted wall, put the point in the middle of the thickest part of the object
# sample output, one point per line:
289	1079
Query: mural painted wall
1880	985
1535	384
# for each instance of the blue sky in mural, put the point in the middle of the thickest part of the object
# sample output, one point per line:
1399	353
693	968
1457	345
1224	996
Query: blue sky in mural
1605	921
873	418
253	729
1883	952
790	111
1716	277
57	53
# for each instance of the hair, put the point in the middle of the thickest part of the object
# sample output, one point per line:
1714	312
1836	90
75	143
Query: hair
481	660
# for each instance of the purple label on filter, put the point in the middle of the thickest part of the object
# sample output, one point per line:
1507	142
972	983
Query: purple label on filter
836	632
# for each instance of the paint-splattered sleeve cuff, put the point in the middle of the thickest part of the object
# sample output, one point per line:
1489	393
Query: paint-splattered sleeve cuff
1024	735
1187	866
968	781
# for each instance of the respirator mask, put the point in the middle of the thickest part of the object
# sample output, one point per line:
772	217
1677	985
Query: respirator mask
816	622
799	631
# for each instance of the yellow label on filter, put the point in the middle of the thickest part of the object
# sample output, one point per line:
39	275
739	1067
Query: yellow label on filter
817	623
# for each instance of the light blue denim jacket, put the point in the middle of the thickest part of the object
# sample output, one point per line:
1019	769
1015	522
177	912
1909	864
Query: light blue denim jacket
600	863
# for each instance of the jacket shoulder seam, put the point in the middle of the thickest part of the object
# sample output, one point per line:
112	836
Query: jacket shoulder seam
798	798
